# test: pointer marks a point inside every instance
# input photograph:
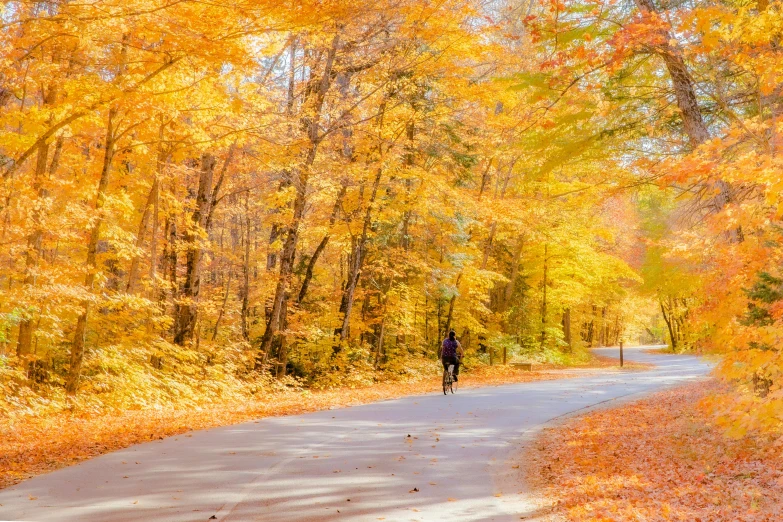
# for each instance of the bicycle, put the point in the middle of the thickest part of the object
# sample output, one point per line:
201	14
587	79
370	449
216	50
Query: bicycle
450	384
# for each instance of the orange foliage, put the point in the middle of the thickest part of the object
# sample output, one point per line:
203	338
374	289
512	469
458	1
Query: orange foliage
657	459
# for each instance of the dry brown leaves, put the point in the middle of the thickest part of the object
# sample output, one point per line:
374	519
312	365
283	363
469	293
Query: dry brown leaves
657	459
33	445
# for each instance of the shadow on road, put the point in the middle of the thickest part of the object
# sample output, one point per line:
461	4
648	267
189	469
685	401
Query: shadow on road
349	464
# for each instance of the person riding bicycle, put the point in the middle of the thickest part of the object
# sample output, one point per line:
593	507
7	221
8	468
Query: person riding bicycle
451	352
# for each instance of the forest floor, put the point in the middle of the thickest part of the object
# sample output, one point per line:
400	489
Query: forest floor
31	445
656	459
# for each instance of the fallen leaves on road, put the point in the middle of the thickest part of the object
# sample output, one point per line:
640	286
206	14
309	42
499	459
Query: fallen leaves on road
657	459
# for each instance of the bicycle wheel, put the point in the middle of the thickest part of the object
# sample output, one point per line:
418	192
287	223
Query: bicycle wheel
454	385
445	383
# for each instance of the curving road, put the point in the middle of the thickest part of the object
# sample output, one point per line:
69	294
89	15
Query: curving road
348	464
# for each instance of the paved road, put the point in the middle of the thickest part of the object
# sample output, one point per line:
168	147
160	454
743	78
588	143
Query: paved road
353	464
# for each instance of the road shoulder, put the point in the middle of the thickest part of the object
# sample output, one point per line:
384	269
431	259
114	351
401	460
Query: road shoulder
32	445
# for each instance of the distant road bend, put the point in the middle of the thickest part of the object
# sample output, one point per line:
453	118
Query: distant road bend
354	464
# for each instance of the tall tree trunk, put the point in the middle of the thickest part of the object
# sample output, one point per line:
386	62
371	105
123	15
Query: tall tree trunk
567	329
682	82
277	230
170	259
485	179
282	357
150	211
186	306
133	271
452	301
439	319
343	81
488	245
321	246
590	328
355	263
426	317
543	300
379	344
215	196
315	96
687	102
35	239
509	292
77	346
666	318
246	274
154	237
359	245
34	247
223	306
410	161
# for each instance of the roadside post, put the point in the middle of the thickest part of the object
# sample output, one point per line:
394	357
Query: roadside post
621	354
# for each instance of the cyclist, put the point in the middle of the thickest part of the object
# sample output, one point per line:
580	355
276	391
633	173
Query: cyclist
451	352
